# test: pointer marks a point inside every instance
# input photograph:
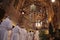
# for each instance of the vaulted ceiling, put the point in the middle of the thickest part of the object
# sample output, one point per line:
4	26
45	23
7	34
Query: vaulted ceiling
45	10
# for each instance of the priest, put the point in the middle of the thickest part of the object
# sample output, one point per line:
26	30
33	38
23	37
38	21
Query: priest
5	26
15	33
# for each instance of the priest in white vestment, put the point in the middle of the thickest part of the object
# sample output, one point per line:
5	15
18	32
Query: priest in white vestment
16	33
23	34
5	26
30	35
36	35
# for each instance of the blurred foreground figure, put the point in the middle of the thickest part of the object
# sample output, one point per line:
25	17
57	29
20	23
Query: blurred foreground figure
2	13
5	26
15	33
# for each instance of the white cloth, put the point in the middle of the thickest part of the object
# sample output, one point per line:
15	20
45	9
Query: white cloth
7	23
23	34
36	35
15	33
4	27
30	35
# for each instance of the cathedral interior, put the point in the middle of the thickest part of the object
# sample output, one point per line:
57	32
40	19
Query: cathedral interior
34	14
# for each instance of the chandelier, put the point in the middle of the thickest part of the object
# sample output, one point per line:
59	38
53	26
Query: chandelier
52	1
32	7
38	24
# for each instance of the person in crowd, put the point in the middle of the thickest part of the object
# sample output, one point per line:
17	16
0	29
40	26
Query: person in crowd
36	35
30	35
2	13
23	34
6	25
16	33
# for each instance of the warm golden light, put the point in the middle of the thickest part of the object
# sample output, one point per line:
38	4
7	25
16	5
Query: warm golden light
38	24
22	12
49	19
13	23
46	32
52	0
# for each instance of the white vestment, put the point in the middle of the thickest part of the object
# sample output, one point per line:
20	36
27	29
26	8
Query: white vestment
4	27
36	35
30	35
23	34
15	33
